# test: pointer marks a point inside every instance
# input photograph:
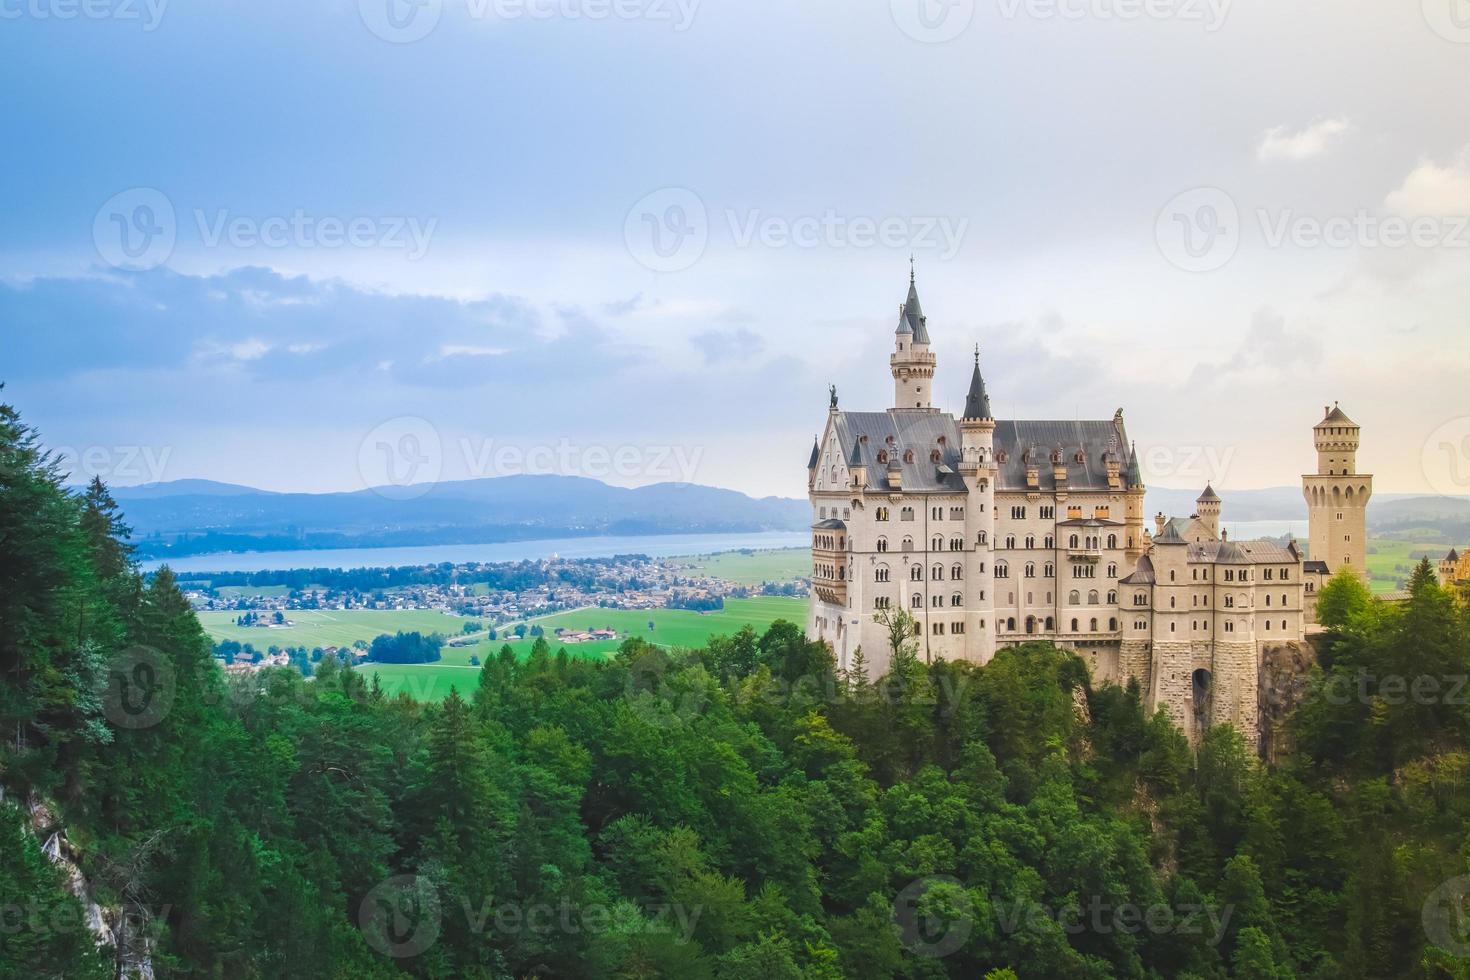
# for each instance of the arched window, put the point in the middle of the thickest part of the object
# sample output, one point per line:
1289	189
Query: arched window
1049	542
908	544
1092	625
937	544
983	538
937	573
1049	570
1074	625
1010	540
1072	541
956	544
1112	541
882	513
880	574
917	601
1011	623
1050	624
1074	598
1112	598
1112	570
1031	569
1092	597
1030	540
956	572
882	543
956	600
916	573
1002	570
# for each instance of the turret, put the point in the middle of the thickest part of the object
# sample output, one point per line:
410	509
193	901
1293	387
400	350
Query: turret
1207	509
1337	495
856	467
912	363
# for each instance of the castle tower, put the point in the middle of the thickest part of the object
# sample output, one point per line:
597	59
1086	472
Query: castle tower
978	468
1337	495
1137	540
1207	509
912	363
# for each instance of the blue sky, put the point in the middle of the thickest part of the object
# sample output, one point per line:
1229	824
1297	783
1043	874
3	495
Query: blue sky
649	227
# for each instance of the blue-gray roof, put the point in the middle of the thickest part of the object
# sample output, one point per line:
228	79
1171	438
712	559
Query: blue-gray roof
923	432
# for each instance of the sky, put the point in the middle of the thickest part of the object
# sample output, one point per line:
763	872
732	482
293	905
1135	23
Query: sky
320	245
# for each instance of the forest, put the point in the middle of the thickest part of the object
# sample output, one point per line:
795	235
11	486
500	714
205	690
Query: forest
738	811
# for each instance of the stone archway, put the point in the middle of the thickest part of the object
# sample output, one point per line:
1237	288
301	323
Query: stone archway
1204	696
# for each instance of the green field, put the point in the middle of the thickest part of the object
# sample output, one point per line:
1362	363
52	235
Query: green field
330	627
1390	561
672	628
753	567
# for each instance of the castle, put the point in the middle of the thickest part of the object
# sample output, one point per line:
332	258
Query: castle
993	532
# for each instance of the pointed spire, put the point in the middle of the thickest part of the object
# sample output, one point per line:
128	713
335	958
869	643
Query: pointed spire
1209	496
913	312
1135	475
811	464
977	402
855	458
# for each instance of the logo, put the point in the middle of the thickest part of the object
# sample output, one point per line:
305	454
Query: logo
401	917
934	916
401	458
1446	457
136	229
932	21
138	689
1447	916
1450	19
667	230
1199	230
401	21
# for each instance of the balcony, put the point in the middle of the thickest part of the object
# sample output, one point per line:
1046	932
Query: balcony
1084	554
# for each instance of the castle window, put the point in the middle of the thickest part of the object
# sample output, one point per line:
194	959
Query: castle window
956	572
1112	598
956	600
937	573
1018	513
1230	602
1010	540
1050	624
1074	625
916	601
1112	570
1229	627
1072	541
882	513
1031	569
880	574
1092	598
908	455
1002	570
906	514
1030	540
882	456
956	627
1048	513
1112	541
956	544
937	601
937	629
916	573
1140	598
908	544
982	537
1268	598
1283	598
882	544
1049	542
1112	624
1049	570
880	602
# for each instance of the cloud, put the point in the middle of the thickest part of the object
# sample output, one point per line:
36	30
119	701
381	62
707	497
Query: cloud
719	346
1269	352
1278	143
1430	189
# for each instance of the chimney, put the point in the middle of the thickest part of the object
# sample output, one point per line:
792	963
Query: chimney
1159	521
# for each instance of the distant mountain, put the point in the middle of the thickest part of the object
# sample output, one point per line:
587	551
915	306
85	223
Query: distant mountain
199	516
1448	517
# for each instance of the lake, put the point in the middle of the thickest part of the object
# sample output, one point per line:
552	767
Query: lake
653	545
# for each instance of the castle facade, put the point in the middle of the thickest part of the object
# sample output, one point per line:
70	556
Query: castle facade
991	533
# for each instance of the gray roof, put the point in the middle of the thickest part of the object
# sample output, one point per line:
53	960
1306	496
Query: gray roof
1169	535
977	402
1316	566
830	524
1142	575
912	318
921	431
1134	475
1261	551
1209	496
854	458
1452	556
811	464
1335	416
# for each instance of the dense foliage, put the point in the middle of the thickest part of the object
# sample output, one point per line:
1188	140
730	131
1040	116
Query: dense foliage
734	812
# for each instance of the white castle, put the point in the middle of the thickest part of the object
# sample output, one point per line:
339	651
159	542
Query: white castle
993	532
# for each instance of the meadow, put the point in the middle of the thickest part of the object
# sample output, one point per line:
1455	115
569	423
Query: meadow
331	627
753	567
1390	561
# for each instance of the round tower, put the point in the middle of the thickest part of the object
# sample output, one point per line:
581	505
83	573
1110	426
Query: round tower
912	363
1207	509
1337	495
